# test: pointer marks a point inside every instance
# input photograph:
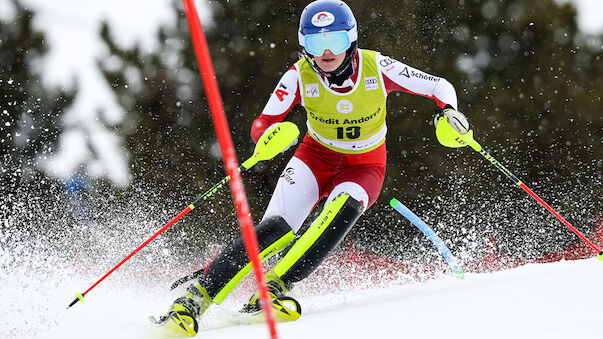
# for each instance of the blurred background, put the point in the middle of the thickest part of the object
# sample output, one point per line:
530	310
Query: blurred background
105	132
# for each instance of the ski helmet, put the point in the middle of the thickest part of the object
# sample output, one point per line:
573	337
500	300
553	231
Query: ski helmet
327	24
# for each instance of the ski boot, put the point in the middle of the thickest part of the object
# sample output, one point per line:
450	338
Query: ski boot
182	315
285	308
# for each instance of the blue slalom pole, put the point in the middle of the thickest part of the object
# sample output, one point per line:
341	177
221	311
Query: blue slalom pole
431	235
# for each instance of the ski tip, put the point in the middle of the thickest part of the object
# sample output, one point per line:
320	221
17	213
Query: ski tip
154	320
394	202
600	256
460	275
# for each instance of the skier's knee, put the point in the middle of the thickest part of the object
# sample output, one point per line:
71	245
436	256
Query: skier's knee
352	189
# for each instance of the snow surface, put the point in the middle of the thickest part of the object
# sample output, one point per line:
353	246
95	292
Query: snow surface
555	300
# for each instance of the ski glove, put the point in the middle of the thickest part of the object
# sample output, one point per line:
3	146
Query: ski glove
456	119
290	145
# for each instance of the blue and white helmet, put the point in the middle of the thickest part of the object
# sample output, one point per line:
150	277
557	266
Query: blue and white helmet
327	24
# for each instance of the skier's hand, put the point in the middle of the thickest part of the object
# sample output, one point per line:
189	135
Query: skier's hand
290	145
456	119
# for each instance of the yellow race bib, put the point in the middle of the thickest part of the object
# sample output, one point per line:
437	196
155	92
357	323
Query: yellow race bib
352	122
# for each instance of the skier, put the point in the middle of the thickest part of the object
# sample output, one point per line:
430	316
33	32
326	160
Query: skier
342	157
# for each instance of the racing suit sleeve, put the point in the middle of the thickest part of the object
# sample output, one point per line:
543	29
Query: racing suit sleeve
398	76
283	98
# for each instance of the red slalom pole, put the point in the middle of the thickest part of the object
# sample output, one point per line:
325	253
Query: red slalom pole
80	297
467	139
446	134
229	156
565	222
477	147
184	212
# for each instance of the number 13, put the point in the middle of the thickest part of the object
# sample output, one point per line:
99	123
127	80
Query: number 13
351	132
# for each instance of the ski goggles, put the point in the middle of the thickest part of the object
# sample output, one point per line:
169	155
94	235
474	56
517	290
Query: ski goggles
336	42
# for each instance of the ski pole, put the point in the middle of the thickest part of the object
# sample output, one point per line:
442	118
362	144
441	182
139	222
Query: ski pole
271	143
447	135
431	235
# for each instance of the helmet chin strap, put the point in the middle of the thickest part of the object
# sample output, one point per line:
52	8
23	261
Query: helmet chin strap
342	73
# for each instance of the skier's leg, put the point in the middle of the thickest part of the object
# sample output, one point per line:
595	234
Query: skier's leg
355	190
223	275
325	233
295	195
229	268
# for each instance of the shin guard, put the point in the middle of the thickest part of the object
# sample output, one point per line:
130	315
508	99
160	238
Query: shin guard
325	233
232	264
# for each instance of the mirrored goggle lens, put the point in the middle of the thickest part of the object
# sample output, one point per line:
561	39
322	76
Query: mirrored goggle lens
336	42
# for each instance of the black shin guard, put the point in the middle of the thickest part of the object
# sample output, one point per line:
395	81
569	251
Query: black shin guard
232	264
326	233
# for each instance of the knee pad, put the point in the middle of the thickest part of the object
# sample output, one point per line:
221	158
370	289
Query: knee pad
325	233
353	189
232	264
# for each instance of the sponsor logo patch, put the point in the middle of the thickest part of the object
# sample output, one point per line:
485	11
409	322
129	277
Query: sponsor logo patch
424	76
386	62
417	74
344	106
287	175
371	83
322	19
312	90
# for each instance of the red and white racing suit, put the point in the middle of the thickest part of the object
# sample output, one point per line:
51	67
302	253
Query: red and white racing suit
316	171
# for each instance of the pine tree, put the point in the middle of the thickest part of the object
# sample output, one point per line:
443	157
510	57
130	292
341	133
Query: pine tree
30	112
168	128
526	78
530	84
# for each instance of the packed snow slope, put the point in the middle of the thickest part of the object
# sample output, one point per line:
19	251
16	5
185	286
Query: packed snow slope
553	300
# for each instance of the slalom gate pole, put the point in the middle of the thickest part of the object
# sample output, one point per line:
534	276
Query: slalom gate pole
431	235
448	132
229	156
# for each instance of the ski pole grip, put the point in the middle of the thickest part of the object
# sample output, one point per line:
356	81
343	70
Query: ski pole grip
600	256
